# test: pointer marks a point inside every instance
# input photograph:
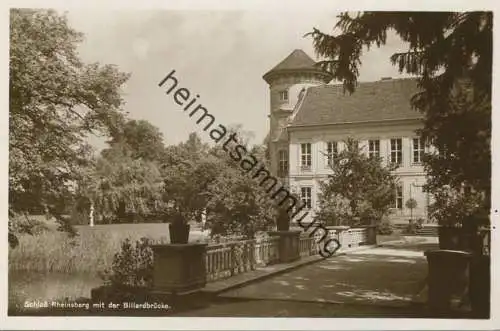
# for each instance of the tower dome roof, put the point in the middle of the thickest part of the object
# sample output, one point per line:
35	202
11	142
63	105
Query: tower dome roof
298	60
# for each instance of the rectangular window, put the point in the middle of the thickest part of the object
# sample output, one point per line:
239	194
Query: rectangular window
399	197
373	148
396	151
418	150
305	156
284	95
331	152
305	196
283	164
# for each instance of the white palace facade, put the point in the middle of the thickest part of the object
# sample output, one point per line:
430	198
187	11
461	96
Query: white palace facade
310	119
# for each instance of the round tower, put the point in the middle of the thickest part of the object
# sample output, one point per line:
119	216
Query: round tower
287	83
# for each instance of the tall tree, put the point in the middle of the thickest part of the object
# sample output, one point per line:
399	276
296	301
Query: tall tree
187	173
118	186
451	53
359	189
55	101
141	138
239	205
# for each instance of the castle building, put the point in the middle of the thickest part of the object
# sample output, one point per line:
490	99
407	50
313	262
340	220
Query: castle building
310	120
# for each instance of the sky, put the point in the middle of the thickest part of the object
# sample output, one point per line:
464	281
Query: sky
220	55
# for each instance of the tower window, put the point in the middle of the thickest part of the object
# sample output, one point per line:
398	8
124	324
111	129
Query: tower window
284	95
283	164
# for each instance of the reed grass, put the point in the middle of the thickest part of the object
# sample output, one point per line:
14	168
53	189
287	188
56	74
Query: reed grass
91	252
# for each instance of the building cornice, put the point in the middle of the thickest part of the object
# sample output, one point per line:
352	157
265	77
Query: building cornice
357	123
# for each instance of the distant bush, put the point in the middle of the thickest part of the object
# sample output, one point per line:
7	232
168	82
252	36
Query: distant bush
385	228
413	226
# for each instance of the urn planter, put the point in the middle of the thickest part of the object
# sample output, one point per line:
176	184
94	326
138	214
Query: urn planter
179	232
448	278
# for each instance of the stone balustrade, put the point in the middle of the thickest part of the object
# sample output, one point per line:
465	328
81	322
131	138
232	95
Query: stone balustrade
233	258
181	271
308	246
184	268
229	259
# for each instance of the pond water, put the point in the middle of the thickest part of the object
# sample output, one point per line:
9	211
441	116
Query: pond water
29	286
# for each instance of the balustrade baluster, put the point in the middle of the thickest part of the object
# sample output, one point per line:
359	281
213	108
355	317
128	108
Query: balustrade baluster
252	253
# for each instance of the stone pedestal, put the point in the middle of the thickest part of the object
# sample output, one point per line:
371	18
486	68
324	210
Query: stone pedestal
447	278
288	245
371	231
179	268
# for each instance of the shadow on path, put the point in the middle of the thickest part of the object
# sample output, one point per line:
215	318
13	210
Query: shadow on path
366	278
379	282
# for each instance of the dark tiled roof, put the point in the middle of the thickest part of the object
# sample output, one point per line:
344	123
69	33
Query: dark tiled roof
373	101
297	60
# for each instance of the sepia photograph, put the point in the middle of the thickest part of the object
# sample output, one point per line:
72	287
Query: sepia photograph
246	163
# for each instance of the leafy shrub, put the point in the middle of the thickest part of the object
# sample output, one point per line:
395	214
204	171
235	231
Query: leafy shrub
385	228
27	224
454	207
132	266
20	224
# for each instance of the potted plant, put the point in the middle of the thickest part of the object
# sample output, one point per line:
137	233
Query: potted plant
411	204
459	215
420	222
411	229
